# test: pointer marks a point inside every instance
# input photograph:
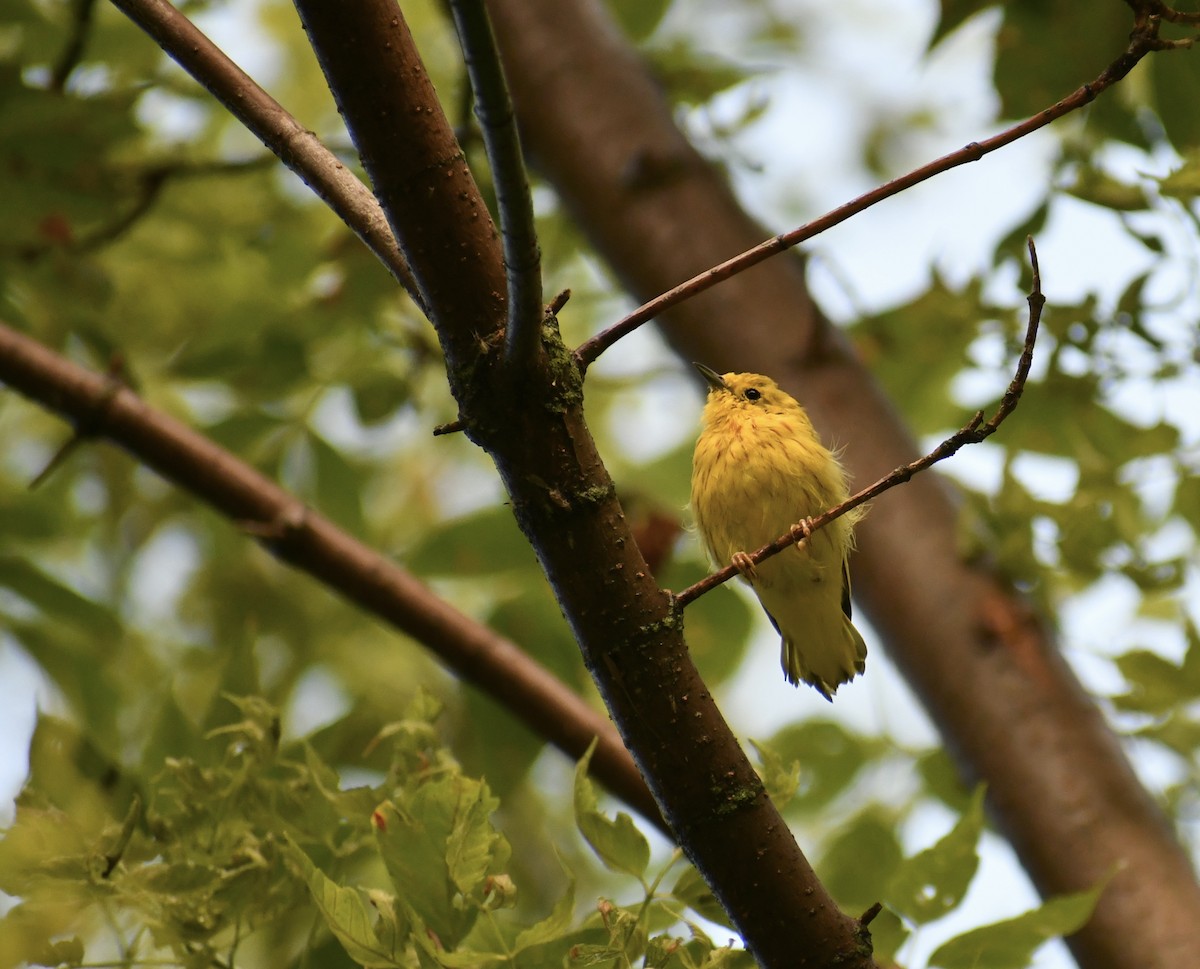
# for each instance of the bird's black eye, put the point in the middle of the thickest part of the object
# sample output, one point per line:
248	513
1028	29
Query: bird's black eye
752	393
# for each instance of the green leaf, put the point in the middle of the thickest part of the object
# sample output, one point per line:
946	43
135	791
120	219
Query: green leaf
338	485
954	13
252	435
666	479
860	857
472	844
412	843
57	600
65	952
392	927
432	952
1176	732
54	154
378	395
942	322
1184	182
438	846
943	780
1156	685
484	543
618	844
780	780
829	757
933	882
1070	422
1086	39
346	915
554	926
691	889
1011	944
1099	188
692	77
1176	77
638	18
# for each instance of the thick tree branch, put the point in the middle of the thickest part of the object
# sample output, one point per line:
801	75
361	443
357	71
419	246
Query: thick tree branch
498	124
629	632
100	407
973	432
1143	40
1010	709
298	148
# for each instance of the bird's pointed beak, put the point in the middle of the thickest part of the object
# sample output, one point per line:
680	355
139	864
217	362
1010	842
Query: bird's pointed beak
715	380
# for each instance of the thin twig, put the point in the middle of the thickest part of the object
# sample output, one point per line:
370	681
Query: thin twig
72	52
555	306
498	126
298	148
150	182
450	427
973	432
1143	40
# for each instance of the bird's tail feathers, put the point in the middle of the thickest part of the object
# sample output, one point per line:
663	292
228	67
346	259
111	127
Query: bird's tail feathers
850	660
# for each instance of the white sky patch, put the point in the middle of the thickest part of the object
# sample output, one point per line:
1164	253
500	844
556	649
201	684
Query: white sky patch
161	573
317	700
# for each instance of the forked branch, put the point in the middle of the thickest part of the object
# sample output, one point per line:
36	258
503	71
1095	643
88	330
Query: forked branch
498	125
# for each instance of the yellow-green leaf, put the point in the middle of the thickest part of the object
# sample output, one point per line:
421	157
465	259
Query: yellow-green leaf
932	882
1011	944
617	843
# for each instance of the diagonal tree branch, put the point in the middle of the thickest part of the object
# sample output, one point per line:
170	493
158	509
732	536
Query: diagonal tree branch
297	147
1010	709
1143	40
102	408
498	123
628	629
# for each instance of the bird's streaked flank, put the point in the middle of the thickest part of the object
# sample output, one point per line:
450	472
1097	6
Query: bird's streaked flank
758	471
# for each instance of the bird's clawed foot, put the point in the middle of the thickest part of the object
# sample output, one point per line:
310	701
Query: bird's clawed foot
801	531
744	564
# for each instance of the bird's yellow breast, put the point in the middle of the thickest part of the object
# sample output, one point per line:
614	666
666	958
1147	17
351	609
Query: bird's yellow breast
757	470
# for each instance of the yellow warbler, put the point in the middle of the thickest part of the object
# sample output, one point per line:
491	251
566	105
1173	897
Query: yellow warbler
759	469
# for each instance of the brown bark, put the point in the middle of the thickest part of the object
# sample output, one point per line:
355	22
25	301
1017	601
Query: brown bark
983	664
530	419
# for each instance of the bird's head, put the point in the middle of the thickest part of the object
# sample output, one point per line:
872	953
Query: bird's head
747	392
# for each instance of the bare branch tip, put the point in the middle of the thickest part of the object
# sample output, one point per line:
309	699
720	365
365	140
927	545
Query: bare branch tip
869	915
287	523
453	427
554	307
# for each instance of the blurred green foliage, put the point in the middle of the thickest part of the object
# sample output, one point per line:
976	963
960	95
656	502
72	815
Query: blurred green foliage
235	762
